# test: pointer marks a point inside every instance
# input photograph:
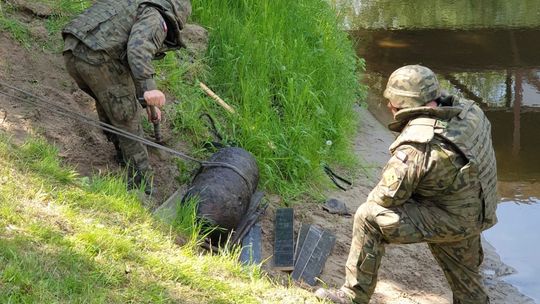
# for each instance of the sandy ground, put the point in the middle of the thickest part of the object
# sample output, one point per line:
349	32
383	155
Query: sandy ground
408	273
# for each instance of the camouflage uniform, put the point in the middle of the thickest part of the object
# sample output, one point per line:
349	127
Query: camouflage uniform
108	52
438	187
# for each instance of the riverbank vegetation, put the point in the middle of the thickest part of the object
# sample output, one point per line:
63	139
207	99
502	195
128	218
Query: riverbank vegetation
287	68
290	72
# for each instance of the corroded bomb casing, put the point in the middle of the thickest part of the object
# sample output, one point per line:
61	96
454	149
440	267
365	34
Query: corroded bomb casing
225	193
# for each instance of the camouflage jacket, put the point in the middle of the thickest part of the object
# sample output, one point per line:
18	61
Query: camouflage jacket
134	32
443	155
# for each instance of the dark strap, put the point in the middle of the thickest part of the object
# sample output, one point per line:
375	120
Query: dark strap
336	179
213	128
220	142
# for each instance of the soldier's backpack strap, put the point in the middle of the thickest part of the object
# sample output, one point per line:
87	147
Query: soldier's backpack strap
419	130
467	104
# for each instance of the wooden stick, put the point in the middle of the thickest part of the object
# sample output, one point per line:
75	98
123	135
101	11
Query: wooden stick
216	98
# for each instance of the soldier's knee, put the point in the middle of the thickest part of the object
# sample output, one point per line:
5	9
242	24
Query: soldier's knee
361	213
387	219
365	216
367	212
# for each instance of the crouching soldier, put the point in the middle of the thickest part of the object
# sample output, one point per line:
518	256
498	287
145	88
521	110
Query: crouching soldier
108	51
439	187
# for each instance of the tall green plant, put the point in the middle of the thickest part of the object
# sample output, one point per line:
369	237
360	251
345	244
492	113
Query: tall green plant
290	72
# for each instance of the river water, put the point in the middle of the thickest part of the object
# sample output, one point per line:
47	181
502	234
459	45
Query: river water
487	51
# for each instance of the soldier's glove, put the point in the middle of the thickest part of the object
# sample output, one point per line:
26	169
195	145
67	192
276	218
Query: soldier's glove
142	102
154	98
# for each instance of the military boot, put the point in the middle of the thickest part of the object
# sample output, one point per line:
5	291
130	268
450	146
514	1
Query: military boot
335	295
119	157
140	180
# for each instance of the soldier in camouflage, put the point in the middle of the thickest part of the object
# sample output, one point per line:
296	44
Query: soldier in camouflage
108	51
438	187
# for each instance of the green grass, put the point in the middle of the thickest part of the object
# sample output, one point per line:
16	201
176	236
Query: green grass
63	11
18	30
66	239
187	223
290	72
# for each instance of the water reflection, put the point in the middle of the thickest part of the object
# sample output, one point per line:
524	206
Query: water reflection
396	14
486	51
479	65
518	244
471	50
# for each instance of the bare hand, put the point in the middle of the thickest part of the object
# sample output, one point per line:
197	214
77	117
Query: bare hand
154	98
158	114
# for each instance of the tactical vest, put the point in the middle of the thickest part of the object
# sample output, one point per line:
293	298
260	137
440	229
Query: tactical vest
466	128
106	25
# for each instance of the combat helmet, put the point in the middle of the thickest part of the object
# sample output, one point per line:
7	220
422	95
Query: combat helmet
182	11
175	13
412	86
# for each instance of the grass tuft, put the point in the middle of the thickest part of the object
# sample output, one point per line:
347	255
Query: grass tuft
19	31
187	223
43	157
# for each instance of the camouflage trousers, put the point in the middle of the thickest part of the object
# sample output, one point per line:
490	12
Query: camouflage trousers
111	86
458	251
